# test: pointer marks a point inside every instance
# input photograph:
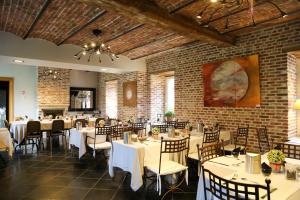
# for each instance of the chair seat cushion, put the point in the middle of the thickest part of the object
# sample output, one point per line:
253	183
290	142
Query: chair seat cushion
98	146
194	156
230	147
167	167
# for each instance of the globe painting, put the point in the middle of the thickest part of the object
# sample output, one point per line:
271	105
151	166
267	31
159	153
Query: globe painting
233	83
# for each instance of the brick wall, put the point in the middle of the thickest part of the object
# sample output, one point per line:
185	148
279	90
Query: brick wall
269	44
124	112
53	93
157	97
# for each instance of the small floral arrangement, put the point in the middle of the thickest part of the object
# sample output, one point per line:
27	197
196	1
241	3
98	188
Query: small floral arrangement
130	120
276	156
189	126
101	123
155	131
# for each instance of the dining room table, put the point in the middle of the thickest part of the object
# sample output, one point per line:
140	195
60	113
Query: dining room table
18	128
6	140
133	157
234	169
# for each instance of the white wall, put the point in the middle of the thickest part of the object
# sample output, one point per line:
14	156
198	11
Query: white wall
25	86
86	79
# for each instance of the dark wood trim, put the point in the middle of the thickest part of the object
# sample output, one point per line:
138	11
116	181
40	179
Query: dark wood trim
101	13
125	32
183	6
159	51
37	17
144	44
291	48
147	12
86	89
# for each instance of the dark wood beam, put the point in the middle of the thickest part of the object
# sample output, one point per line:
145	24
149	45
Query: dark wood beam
295	13
125	32
160	51
37	17
147	43
74	32
147	12
183	5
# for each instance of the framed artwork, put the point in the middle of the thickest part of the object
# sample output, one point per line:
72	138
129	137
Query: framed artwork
232	83
129	93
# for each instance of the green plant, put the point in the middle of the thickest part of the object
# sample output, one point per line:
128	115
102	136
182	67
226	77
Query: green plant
155	130
169	114
276	156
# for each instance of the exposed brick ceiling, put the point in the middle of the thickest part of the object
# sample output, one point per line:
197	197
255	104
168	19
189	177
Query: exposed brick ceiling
72	22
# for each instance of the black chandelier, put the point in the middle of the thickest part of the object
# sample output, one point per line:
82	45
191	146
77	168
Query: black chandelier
230	7
96	49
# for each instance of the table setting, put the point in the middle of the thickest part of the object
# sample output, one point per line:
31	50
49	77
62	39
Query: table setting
132	156
254	169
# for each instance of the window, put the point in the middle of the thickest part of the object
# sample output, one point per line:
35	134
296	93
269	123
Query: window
111	100
170	94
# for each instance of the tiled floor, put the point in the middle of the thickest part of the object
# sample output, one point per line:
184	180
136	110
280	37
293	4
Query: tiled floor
64	177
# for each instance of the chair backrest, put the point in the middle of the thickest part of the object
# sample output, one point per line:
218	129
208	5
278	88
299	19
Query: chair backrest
58	126
181	125
242	136
210	151
163	128
225	189
289	150
171	123
210	136
98	120
83	122
263	140
138	126
117	132
171	146
33	127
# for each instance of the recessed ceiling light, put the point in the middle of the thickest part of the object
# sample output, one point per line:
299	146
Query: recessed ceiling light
18	61
103	69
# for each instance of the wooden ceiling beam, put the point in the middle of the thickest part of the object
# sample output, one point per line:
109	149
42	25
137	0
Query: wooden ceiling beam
160	51
101	13
37	17
147	43
125	32
147	12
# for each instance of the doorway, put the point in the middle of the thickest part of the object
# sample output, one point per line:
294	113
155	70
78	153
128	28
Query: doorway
6	99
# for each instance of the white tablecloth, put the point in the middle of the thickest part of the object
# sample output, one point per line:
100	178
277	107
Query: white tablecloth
18	128
133	157
6	140
78	138
286	189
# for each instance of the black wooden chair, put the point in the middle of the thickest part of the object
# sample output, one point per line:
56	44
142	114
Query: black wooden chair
181	125
83	122
58	129
137	127
263	140
117	132
33	135
169	167
289	150
163	128
225	189
210	137
211	151
240	140
171	123
101	140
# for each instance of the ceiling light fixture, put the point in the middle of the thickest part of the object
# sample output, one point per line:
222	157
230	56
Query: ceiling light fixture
18	61
96	48
52	74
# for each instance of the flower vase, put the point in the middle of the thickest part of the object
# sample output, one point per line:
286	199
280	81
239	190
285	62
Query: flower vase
155	136
276	167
